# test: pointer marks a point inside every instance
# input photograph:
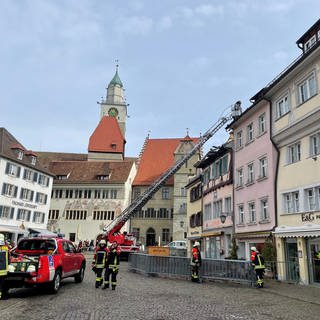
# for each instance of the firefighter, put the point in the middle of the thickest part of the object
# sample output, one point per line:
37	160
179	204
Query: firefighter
195	262
99	261
257	262
112	266
4	262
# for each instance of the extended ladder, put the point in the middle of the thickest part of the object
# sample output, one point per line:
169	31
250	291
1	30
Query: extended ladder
142	199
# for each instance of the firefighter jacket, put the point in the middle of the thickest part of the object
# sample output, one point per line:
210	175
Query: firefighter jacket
196	257
258	262
100	257
113	258
253	256
4	260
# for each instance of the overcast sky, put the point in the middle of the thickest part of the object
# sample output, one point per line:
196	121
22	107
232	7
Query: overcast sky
182	63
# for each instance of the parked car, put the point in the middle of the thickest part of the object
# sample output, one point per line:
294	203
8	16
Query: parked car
44	261
178	244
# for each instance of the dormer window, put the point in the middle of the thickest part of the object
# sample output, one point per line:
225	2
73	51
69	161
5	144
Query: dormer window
33	160
20	154
62	177
113	145
310	43
102	177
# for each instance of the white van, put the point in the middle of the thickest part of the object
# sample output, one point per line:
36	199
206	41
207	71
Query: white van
179	244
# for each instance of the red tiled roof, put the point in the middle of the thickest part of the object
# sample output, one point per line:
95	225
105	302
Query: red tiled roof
107	137
83	172
157	157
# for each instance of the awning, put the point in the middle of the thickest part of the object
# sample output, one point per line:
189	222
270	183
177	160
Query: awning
12	229
43	232
310	230
251	235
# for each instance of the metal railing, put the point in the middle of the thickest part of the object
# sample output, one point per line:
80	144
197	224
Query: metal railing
214	269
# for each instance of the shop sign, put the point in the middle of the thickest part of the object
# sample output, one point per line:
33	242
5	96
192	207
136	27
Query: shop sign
310	216
24	204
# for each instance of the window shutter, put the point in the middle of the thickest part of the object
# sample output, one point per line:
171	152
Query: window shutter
45	199
24	173
28	215
42	218
7	167
37	197
47	181
35	176
4	188
31	196
1	209
11	213
15	191
18	172
21	193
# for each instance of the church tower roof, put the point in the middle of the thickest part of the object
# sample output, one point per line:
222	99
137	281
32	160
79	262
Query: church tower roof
116	80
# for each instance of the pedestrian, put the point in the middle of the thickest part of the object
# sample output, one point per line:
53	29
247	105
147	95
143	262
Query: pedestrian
4	262
195	262
112	266
99	261
257	262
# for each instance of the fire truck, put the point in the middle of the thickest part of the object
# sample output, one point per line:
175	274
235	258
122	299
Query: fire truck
127	241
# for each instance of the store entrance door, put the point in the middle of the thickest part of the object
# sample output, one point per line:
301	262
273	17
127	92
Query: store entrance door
292	262
314	251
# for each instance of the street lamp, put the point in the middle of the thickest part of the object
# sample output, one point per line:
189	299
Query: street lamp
223	217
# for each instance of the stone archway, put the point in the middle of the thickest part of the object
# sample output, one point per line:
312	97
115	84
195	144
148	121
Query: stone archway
151	237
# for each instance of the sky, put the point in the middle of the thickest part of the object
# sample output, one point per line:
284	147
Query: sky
182	63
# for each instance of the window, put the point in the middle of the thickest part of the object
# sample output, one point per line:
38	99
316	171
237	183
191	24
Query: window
26	194
23	215
9	190
12	170
6	212
20	154
312	199
249	132
217	209
43	180
41	198
241	213
72	237
250	173
310	43
28	174
163	213
239	142
227	205
315	144
38	217
113	194
263	166
307	88
136	233
294	153
252	212
136	193
207	212
53	214
240	177
165	235
282	106
262	123
33	160
264	209
165	193
291	202
183	192
62	177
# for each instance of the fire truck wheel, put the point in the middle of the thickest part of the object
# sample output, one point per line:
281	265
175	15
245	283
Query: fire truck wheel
79	276
55	283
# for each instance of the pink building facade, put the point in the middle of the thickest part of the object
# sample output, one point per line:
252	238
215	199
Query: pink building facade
255	158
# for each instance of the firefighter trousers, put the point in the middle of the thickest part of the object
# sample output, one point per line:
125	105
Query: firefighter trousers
195	273
99	278
3	288
259	277
111	271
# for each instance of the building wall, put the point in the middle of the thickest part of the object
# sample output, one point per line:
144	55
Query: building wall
18	203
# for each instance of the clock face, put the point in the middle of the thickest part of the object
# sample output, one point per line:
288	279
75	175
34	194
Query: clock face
113	112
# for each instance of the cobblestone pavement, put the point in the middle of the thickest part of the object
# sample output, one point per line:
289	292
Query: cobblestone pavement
141	297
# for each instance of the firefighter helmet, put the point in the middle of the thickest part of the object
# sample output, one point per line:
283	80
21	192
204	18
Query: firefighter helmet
2	239
253	249
103	242
196	244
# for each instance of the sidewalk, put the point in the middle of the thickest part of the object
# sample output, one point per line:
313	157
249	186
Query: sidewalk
310	293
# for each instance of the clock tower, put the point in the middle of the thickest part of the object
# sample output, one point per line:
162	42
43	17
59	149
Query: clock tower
115	104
